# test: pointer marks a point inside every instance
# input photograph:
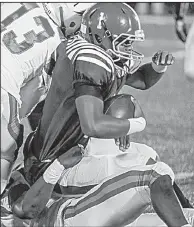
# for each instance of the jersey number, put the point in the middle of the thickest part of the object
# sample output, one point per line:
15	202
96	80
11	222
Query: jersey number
9	38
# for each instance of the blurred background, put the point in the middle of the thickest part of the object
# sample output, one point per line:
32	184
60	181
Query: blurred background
168	105
158	8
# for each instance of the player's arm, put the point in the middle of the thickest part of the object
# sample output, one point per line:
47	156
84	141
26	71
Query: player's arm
34	201
149	74
36	198
89	103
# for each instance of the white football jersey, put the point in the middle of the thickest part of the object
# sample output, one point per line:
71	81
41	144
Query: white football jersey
29	35
28	38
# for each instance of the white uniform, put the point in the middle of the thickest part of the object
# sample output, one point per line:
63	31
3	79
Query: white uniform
101	161
112	185
118	193
29	35
28	39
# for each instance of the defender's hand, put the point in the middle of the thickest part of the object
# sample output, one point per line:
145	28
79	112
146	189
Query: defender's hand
181	30
123	143
70	158
163	58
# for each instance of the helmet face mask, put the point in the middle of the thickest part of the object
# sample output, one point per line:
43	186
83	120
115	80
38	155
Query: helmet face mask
114	27
123	50
123	46
125	58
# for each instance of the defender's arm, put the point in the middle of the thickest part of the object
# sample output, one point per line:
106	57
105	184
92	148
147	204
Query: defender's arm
35	199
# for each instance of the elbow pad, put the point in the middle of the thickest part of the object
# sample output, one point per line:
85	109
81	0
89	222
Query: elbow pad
136	125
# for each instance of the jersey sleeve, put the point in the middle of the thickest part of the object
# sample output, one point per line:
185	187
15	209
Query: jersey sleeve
92	73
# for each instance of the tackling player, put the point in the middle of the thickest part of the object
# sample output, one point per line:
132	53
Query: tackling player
29	36
119	185
29	209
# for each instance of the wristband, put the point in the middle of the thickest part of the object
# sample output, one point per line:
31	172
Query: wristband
136	125
53	172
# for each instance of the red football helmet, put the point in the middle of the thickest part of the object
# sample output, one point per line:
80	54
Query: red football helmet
114	27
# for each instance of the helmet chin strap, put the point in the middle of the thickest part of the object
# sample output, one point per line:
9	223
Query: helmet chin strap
90	35
107	32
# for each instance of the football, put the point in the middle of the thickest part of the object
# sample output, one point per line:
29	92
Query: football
120	106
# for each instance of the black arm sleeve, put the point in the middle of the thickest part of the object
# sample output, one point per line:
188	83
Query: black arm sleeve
87	89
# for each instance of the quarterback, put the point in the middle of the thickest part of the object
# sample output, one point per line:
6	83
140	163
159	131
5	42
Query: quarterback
29	36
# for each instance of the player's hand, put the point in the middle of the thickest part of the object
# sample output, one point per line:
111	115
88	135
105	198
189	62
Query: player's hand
70	158
138	110
163	58
123	143
181	30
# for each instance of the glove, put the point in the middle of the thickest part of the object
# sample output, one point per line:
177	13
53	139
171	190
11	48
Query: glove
163	58
181	30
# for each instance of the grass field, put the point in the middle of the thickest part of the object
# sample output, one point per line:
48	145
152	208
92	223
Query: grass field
169	105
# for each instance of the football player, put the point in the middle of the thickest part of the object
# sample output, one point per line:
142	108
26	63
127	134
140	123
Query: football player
118	186
98	63
29	36
13	213
181	9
